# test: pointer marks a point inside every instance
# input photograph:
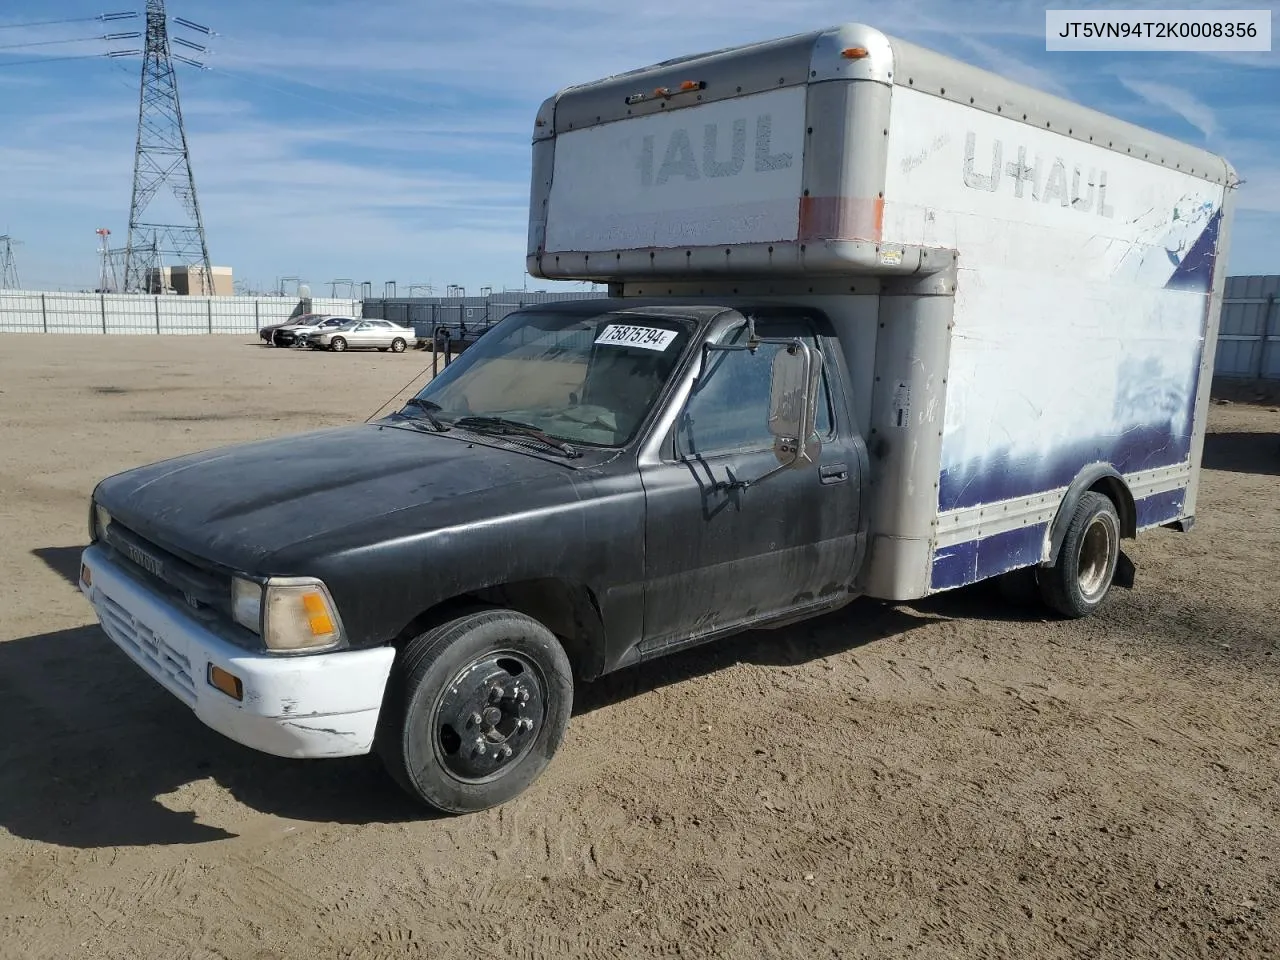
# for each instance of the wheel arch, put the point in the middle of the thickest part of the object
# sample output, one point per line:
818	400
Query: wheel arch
568	609
1097	478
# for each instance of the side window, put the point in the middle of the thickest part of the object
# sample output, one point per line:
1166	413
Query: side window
727	412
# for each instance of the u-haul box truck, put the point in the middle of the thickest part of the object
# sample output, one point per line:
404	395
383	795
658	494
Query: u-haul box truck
880	324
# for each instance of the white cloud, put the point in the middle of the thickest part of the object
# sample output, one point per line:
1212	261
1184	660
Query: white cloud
1002	62
1177	101
1258	60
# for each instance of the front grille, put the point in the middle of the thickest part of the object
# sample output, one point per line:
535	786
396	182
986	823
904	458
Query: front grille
165	663
205	595
203	591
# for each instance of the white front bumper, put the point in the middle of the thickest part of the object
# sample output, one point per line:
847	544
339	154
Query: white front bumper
319	705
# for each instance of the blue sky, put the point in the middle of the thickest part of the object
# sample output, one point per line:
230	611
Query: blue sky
390	140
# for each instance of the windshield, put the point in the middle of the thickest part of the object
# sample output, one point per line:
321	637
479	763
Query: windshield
585	379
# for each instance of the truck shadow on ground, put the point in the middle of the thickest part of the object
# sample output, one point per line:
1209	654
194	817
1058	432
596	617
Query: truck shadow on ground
64	561
1256	453
96	754
862	622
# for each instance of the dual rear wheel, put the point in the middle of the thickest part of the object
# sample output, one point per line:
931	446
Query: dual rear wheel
1080	579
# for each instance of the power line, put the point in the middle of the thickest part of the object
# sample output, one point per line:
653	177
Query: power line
101	18
84	56
47	43
245	78
382	105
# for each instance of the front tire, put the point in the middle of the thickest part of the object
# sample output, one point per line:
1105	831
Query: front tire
337	344
476	709
1078	582
397	345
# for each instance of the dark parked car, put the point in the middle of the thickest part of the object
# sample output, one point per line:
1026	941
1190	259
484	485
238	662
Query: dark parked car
268	332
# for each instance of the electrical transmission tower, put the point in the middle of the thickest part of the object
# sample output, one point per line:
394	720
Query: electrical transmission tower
162	159
8	268
108	282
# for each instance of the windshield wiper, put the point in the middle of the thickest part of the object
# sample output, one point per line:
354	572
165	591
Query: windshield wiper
502	425
428	408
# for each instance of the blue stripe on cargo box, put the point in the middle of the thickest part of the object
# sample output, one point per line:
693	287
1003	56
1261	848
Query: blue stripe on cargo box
1160	508
963	563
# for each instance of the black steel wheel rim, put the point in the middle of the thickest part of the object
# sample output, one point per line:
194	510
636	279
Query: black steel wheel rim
488	716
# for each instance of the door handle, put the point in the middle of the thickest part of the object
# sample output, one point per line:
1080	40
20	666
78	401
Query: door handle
833	473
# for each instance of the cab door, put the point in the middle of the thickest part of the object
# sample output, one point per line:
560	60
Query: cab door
718	556
364	335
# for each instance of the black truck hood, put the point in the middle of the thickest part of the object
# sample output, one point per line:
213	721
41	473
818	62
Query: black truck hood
238	506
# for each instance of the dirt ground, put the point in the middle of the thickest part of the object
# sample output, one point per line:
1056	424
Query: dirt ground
951	778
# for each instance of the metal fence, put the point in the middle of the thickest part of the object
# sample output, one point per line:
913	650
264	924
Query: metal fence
1248	337
1249	334
25	311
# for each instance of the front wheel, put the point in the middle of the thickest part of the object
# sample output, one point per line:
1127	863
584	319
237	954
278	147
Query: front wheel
476	709
397	345
337	344
1080	579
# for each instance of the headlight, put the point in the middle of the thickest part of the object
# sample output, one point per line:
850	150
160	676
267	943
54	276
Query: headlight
246	604
99	519
290	614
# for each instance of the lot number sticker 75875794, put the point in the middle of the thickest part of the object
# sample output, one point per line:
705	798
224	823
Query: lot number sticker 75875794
647	338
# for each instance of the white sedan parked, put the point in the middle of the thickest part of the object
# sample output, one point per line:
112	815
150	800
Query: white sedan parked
298	335
363	335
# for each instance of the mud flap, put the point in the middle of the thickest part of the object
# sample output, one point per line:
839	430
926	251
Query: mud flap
1125	573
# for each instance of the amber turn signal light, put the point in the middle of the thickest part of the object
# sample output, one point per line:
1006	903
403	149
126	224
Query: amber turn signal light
228	683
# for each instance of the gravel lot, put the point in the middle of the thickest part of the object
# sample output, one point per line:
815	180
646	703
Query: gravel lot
950	778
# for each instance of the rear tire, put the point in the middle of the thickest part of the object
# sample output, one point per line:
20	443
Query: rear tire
1079	581
397	345
337	344
475	710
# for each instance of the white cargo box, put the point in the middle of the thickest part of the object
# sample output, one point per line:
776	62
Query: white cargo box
834	151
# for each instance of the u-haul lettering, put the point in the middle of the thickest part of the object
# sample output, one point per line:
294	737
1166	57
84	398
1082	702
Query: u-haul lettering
719	173
1043	179
722	152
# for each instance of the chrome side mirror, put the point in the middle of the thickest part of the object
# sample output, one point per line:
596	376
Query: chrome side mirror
793	404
